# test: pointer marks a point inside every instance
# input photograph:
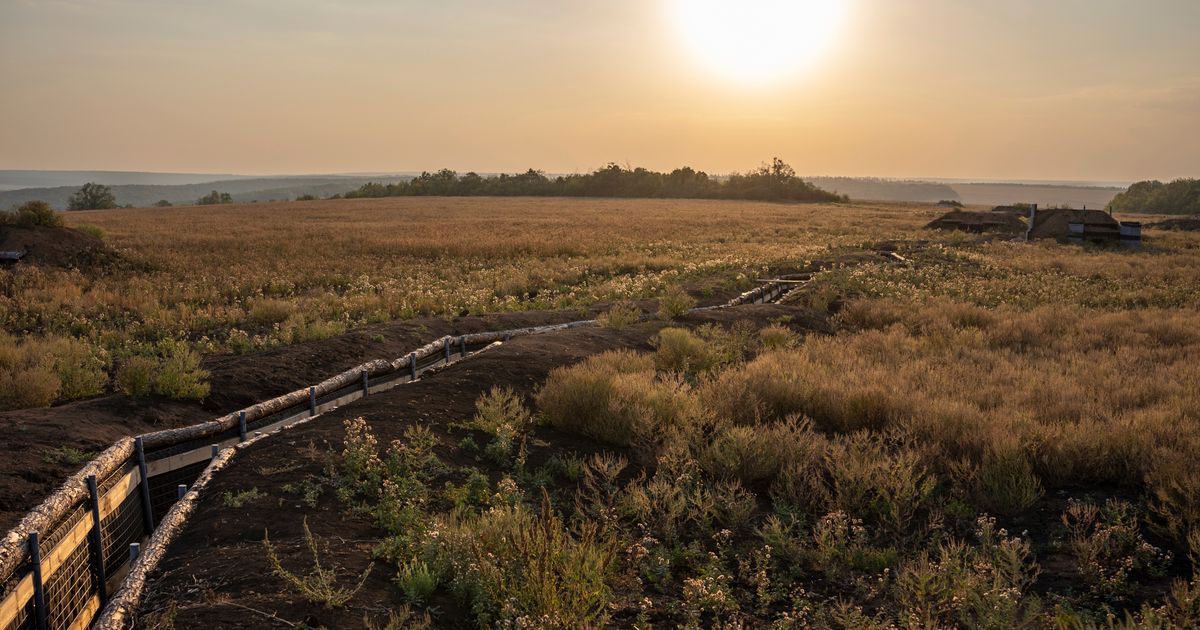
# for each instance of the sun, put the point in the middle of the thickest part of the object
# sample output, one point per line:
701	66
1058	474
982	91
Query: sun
756	41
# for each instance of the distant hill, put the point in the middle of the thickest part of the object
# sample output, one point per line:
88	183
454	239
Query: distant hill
1042	194
886	189
145	189
242	190
11	180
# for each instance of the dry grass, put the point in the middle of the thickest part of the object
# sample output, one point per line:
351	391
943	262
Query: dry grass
246	277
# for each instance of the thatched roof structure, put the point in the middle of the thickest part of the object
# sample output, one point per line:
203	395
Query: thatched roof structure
967	221
1056	223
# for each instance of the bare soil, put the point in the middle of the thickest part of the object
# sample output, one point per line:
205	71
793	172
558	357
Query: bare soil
57	247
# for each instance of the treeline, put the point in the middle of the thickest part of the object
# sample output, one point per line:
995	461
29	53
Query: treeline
770	182
1181	196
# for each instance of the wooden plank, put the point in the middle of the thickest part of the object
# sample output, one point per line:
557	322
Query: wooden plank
116	494
16	601
74	539
84	619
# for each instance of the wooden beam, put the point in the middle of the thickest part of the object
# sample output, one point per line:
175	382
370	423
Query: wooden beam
16	601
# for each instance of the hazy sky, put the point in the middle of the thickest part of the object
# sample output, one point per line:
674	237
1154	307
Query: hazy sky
1022	89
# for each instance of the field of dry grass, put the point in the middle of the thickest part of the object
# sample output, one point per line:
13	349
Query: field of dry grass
241	278
981	434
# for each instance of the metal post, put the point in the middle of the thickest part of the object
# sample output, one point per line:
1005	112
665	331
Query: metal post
366	384
242	426
412	366
147	510
39	593
135	552
446	347
180	491
97	539
462	347
312	401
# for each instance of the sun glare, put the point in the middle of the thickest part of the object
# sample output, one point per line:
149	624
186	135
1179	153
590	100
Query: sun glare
756	41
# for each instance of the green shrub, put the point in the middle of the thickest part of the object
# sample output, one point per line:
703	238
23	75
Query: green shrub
678	350
179	375
1005	483
777	337
1109	550
82	369
752	454
320	584
509	564
615	397
135	377
675	302
501	414
885	485
620	315
92	230
36	213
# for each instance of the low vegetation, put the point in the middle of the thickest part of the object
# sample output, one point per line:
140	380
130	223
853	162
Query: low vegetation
218	282
32	214
770	182
934	462
1181	196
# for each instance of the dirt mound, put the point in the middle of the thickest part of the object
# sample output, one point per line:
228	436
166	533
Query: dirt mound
1182	224
56	247
967	221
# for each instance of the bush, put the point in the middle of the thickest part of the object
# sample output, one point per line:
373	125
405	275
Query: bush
777	337
751	454
179	375
36	213
501	414
508	564
91	230
885	485
135	377
620	315
675	302
82	370
678	350
1005	483
214	198
616	397
267	312
38	372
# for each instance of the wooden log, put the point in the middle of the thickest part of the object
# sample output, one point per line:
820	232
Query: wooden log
13	550
159	439
121	610
488	337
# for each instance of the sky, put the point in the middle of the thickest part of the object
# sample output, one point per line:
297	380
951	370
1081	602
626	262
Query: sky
1090	90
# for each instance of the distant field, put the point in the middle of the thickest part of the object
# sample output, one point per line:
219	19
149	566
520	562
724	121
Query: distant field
240	278
972	432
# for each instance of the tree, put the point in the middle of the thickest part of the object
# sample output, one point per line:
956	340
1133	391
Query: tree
214	198
35	213
163	203
92	197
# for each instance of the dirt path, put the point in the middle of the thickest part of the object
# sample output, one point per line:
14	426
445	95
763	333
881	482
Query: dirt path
218	560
